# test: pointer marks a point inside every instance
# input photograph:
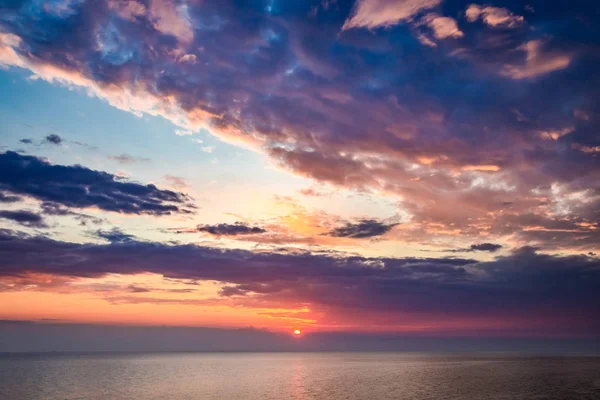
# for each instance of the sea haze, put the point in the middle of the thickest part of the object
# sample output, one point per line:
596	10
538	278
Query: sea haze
179	376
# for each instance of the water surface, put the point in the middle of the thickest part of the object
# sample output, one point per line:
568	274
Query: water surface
332	376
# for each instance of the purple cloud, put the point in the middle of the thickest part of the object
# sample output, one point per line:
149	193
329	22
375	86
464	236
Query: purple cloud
238	228
363	229
24	217
543	292
80	187
489	247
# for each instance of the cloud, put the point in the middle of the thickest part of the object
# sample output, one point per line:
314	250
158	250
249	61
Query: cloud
537	62
127	159
24	217
238	228
363	229
383	13
80	187
6	198
137	289
524	291
493	16
26	141
443	27
489	247
114	236
171	19
176	181
313	192
53	139
54	209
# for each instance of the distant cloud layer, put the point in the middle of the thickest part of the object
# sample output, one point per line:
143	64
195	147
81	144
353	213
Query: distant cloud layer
524	292
81	187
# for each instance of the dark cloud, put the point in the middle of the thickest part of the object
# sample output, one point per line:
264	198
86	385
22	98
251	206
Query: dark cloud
80	187
362	229
24	217
238	228
114	236
53	139
138	289
26	141
55	209
490	247
524	291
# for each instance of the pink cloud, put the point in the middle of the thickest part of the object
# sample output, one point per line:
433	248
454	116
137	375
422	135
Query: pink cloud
171	20
383	13
493	16
537	62
443	27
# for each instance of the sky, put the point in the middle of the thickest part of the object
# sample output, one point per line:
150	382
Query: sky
407	168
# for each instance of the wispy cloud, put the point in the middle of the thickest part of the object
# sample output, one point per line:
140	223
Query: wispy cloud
127	159
382	13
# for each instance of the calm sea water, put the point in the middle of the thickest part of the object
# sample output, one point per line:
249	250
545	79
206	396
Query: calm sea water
330	376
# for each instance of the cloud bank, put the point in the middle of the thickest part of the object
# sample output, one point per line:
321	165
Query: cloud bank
524	293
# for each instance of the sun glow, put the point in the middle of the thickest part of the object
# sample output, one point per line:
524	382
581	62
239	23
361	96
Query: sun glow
297	332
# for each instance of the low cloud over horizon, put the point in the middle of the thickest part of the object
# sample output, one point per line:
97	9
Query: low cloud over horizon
524	292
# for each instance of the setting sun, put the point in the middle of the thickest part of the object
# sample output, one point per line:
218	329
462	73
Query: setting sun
297	332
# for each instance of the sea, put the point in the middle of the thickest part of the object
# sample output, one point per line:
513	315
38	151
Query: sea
331	376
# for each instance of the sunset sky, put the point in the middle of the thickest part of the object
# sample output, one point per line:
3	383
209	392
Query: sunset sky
414	167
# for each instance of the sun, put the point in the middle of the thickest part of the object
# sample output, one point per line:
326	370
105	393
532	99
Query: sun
297	332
